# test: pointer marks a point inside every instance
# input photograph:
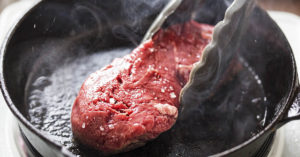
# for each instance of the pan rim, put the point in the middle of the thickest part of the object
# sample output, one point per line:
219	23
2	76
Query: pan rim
21	118
3	49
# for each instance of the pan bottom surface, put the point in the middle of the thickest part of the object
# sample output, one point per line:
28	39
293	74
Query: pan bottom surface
263	151
50	97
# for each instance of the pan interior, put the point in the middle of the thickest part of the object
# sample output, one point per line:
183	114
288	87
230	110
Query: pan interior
50	97
56	47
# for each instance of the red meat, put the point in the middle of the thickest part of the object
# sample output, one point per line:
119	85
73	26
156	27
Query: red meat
135	98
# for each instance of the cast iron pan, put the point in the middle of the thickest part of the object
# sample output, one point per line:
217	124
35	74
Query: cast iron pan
53	48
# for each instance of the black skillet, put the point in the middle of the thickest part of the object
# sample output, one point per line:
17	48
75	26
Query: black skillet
56	32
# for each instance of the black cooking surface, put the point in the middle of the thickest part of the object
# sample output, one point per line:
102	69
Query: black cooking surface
50	98
57	48
263	151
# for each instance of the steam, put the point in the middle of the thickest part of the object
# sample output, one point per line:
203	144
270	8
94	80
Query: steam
133	17
134	11
92	16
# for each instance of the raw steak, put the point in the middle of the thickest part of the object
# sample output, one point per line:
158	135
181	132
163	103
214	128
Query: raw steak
135	98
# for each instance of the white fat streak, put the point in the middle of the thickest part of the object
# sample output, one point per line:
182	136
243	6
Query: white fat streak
173	95
101	128
133	70
112	101
167	109
151	49
111	126
171	88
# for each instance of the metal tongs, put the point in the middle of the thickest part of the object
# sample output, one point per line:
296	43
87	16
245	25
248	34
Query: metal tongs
219	52
170	8
217	55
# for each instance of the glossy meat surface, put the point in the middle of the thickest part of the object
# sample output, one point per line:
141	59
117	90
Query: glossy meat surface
135	98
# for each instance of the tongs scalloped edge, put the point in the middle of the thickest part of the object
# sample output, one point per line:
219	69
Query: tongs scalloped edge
222	28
